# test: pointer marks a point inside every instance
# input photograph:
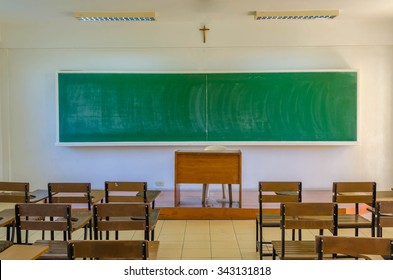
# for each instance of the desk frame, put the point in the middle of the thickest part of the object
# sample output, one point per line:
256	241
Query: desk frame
208	167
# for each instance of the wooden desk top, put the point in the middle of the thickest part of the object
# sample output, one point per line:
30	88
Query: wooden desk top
7	217
208	152
97	196
38	195
23	252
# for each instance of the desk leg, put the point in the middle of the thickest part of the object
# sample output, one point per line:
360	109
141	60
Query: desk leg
177	195
240	195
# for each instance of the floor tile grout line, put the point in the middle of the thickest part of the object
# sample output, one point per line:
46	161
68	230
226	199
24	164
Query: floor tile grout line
237	240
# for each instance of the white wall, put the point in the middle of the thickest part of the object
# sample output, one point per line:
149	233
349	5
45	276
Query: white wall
33	59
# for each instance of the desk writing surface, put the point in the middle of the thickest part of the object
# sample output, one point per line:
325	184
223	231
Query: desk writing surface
23	252
207	167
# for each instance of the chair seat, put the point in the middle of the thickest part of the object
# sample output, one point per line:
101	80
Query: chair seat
351	221
296	250
57	249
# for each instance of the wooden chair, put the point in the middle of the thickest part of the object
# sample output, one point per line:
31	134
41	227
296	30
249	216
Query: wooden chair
109	249
12	192
384	215
49	217
76	194
125	216
271	193
355	193
353	246
315	216
206	187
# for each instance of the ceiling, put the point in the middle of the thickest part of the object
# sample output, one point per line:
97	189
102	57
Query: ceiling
44	11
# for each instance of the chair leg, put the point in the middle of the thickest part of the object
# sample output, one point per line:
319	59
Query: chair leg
379	231
91	229
205	193
373	226
12	232
223	191
230	194
256	234
8	233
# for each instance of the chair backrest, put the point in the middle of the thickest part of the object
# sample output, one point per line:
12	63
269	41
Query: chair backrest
355	192
309	215
108	249
384	215
121	216
14	192
354	246
125	191
73	193
279	192
46	217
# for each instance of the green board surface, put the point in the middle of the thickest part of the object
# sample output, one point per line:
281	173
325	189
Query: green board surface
203	107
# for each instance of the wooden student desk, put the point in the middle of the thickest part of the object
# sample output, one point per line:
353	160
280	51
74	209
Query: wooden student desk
23	252
208	167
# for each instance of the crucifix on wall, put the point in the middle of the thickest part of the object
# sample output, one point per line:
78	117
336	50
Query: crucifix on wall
204	29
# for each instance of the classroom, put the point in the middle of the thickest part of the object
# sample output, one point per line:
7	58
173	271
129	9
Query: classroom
39	39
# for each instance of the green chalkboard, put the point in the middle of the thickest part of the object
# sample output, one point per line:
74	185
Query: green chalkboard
203	107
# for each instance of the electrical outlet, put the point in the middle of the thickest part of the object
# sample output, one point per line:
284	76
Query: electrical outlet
160	184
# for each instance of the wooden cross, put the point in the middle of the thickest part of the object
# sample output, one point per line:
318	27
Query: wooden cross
204	29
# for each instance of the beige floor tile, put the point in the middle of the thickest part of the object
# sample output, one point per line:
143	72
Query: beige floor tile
196	253
192	244
387	232
197	237
171	237
170	253
228	237
170	244
247	243
249	254
271	234
244	226
228	253
224	244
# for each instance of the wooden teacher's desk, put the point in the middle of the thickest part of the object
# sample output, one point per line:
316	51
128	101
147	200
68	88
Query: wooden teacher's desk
208	167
